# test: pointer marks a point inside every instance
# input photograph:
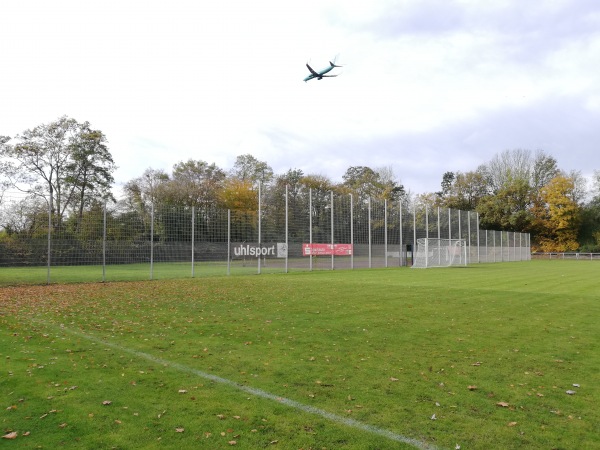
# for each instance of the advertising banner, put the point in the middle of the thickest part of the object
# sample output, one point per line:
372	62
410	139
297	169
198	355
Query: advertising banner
326	249
254	250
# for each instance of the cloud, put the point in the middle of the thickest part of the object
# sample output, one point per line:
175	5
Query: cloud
427	86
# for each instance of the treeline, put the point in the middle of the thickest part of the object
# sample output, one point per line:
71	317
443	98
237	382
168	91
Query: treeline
520	190
65	168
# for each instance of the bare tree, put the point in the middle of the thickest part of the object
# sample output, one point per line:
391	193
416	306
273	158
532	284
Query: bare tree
62	162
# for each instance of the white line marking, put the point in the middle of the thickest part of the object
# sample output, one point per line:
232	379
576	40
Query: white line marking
341	420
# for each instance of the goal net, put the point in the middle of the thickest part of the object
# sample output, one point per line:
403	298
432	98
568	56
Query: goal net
435	252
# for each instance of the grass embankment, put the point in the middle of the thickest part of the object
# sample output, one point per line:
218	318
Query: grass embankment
480	356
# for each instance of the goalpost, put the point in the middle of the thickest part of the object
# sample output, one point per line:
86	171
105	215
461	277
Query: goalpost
436	252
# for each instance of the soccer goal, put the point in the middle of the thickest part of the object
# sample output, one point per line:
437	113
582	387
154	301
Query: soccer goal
435	252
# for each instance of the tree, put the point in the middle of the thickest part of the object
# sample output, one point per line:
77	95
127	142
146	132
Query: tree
446	184
194	183
545	167
238	195
90	169
561	219
145	190
249	169
464	190
508	167
365	183
508	208
589	231
63	162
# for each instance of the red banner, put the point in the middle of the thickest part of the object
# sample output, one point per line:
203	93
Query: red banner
326	249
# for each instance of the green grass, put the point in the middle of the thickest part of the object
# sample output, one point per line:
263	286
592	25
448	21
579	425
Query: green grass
388	348
14	276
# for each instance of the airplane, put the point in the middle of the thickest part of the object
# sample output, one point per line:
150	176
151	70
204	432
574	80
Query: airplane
321	73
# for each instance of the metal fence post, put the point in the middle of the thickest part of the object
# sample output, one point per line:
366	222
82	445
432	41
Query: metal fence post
229	242
259	226
477	225
49	252
385	234
369	231
332	241
414	246
426	221
310	229
152	242
469	236
401	249
104	243
286	229
352	230
193	237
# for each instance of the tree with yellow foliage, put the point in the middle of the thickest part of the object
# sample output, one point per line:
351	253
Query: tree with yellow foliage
558	215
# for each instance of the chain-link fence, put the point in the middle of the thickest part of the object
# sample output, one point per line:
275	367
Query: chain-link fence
312	230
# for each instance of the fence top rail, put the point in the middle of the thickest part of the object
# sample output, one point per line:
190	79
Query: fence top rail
567	255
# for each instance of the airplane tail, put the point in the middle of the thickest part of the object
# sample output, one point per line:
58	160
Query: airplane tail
333	65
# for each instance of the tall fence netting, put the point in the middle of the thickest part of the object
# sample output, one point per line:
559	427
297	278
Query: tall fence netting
288	231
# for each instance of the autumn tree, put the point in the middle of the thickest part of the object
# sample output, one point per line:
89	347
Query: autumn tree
90	169
508	167
64	162
508	208
561	218
249	169
194	183
463	190
589	231
446	184
274	203
365	183
146	190
238	195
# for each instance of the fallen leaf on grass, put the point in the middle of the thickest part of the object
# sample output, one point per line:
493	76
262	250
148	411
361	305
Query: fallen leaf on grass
182	391
503	404
232	442
11	435
393	379
472	388
512	424
63	425
106	402
179	430
570	392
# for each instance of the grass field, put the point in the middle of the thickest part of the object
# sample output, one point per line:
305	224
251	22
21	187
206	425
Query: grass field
11	276
478	357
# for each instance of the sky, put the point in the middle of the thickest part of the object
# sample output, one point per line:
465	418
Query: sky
426	87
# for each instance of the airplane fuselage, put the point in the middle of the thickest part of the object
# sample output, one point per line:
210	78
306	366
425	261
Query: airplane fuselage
321	73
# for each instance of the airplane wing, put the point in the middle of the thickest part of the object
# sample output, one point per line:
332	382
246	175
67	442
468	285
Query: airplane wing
312	71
